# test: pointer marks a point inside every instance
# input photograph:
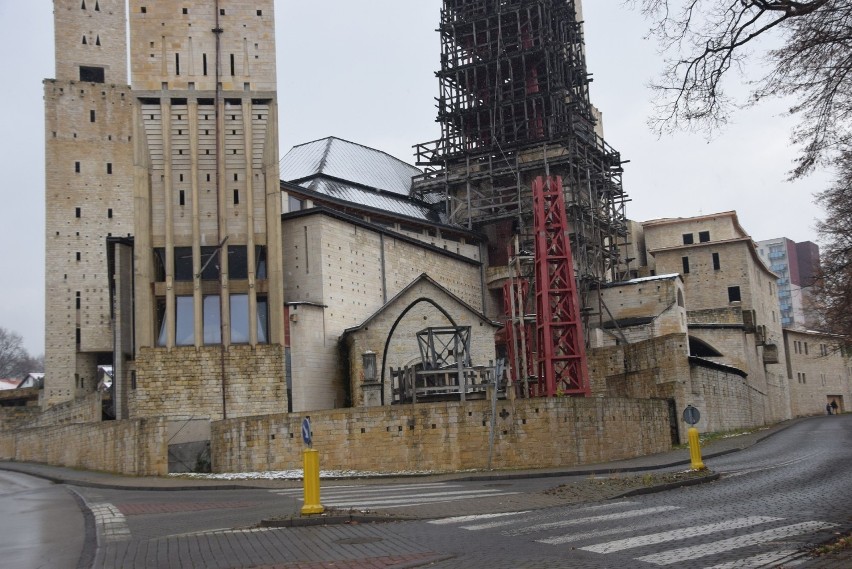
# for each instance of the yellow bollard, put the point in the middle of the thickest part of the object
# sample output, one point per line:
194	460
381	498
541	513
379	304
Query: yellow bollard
695	449
310	458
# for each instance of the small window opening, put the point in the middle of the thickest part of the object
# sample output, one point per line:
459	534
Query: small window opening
83	7
181	177
703	236
78	255
143	9
109	167
232	65
204	64
98	40
97	6
260	12
177	64
84	41
77	167
236	177
77	212
109	213
221	11
685	261
182	198
236	197
208	177
186	11
716	264
687	239
734	294
91	116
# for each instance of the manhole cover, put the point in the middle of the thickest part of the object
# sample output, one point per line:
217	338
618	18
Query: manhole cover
358	540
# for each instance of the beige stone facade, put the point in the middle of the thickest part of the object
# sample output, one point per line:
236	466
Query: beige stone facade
88	194
449	436
730	298
818	371
340	272
392	334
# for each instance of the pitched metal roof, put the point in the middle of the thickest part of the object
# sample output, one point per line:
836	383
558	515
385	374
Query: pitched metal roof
336	158
389	202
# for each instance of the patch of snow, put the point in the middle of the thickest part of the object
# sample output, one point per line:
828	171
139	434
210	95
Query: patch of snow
297	474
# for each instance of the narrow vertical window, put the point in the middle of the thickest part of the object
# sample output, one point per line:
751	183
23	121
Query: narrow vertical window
182	198
685	261
77	212
109	213
204	64
83	7
232	65
98	40
716	264
177	64
236	197
78	255
78	300
92	116
84	41
97	6
109	167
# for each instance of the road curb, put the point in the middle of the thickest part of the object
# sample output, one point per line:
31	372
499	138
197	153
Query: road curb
668	486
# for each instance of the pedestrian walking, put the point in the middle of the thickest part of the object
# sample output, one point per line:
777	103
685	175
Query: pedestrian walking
834	406
828	408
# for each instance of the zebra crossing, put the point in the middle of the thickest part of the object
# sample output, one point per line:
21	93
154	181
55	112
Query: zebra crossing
361	497
639	531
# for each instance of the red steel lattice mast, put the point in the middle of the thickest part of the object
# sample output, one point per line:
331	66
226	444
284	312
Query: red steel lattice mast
562	368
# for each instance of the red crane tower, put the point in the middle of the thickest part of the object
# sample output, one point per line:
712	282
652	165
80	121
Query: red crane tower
562	367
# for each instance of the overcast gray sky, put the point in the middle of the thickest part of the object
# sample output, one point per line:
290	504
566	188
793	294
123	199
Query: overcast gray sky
364	71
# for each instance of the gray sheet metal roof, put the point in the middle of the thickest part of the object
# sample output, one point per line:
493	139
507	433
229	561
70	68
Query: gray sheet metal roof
389	202
336	158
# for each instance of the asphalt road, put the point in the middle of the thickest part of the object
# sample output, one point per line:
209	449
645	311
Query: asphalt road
42	525
773	500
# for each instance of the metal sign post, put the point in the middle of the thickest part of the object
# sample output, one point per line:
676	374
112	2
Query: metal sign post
691	416
311	475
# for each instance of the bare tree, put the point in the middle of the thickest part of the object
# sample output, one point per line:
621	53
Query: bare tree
705	42
834	287
12	352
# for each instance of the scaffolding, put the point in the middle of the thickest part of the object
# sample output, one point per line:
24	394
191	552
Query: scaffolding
514	105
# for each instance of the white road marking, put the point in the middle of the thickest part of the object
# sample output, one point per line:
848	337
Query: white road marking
674	535
413	500
462	519
365	489
545	516
591	519
724	545
762	560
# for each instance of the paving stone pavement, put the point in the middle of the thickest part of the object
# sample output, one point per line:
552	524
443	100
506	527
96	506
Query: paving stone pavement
357	546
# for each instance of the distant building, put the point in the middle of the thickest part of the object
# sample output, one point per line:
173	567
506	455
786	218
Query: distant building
820	373
796	265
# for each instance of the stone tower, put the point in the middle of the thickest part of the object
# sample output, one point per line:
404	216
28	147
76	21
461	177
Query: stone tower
207	248
89	185
164	207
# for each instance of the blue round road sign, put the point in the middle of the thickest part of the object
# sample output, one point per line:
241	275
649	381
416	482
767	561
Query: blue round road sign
306	431
691	415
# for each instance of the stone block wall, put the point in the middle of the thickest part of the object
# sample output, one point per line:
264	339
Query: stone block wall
12	418
436	437
186	383
86	409
726	400
136	448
